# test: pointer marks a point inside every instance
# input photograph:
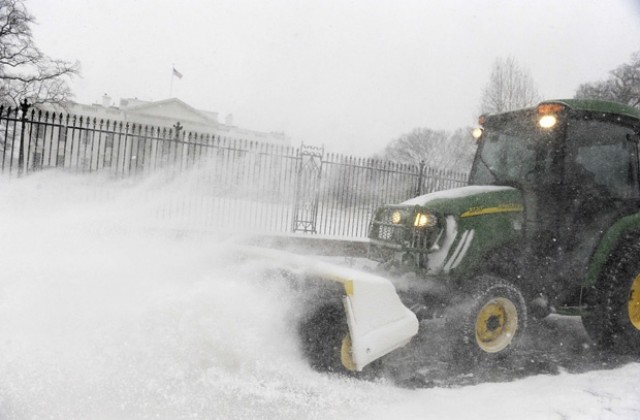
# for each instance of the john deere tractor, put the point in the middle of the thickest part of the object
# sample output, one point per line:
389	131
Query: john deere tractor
550	222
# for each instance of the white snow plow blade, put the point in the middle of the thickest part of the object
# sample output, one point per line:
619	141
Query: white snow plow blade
378	321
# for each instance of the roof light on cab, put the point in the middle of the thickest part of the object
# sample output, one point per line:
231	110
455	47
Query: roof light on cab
547	113
547	121
477	132
550	108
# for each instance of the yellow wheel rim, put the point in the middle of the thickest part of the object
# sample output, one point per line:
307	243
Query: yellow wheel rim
496	325
346	355
634	303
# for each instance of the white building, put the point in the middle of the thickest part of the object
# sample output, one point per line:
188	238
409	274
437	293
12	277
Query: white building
167	113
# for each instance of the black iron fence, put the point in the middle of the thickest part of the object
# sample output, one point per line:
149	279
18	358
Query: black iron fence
223	182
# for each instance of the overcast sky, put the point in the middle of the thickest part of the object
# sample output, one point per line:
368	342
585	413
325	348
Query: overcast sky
349	74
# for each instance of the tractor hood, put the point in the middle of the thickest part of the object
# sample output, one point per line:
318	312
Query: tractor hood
447	231
470	201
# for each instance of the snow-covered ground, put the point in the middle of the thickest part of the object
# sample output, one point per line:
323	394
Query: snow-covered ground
102	320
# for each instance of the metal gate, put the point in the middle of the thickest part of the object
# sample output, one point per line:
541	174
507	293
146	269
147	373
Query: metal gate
309	171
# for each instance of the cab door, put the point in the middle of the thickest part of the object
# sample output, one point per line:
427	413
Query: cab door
600	187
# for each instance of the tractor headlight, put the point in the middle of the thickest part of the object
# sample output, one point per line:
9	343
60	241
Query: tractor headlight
396	217
424	220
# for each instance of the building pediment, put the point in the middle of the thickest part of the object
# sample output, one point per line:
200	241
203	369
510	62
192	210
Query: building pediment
171	109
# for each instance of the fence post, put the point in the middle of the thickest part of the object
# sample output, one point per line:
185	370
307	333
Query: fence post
24	107
420	179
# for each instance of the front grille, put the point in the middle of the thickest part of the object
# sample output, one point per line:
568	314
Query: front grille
385	232
384	229
391	233
402	234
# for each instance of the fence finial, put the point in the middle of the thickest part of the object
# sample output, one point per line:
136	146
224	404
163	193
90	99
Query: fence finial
24	107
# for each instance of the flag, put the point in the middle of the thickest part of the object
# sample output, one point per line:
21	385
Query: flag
177	73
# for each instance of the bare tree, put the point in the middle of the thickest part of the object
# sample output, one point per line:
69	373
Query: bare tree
623	85
26	72
510	87
437	149
416	146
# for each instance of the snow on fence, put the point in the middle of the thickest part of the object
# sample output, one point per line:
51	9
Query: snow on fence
222	182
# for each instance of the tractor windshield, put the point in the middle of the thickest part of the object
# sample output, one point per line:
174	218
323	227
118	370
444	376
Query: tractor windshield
512	150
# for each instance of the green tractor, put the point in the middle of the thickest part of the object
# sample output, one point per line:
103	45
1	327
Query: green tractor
549	223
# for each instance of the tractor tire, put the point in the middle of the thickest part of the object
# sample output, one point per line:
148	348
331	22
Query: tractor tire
325	340
612	315
489	322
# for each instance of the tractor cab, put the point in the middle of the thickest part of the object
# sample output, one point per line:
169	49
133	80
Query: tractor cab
576	165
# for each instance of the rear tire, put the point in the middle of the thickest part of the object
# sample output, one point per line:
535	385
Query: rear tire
612	317
490	322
